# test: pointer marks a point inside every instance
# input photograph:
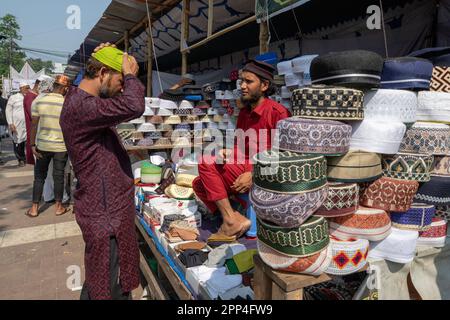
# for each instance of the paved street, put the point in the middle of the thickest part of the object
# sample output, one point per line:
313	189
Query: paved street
35	253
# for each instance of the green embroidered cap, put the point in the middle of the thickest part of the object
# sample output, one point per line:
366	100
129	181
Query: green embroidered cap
306	240
148	168
110	57
289	172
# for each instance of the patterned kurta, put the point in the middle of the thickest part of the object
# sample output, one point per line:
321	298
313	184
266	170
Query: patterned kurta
104	197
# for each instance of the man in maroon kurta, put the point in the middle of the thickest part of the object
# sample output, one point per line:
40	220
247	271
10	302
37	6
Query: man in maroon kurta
27	102
217	181
104	197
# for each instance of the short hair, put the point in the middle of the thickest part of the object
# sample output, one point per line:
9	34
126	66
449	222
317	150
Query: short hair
271	90
93	66
57	86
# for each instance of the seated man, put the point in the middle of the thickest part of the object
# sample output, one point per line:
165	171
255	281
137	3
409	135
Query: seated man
218	180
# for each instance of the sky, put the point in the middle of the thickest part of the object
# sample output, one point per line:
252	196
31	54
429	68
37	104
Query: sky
43	23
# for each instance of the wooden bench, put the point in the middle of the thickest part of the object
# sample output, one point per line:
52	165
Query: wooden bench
275	285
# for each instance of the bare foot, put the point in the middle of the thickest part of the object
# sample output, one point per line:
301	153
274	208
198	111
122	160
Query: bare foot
237	225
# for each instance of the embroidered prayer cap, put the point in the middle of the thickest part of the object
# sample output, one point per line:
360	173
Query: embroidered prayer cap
182	142
285	67
441	166
186	105
182	112
325	102
342	200
390	194
355	166
173	120
354	69
185	180
313	136
156	120
167	104
304	241
192	118
348	256
406	73
286	210
435	192
261	69
198	112
408	166
146	127
303	64
440	80
313	265
365	223
165	112
164	127
149	112
435	236
288	172
434	106
418	217
377	136
443	212
390	105
427	138
126	126
399	246
110	57
152	102
163	142
138	120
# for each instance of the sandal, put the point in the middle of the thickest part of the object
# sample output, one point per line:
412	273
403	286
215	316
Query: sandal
63	212
27	213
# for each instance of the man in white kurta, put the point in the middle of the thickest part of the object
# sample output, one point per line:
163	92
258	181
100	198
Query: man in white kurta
15	116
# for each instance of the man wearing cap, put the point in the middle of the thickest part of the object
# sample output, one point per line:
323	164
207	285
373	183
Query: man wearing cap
47	144
16	120
109	94
259	114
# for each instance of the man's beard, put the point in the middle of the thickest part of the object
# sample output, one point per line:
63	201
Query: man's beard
105	90
251	99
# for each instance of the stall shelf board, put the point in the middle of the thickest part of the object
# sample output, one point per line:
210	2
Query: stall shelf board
165	263
137	148
274	285
157	292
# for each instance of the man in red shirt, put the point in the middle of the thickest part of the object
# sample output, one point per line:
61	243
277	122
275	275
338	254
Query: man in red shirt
231	171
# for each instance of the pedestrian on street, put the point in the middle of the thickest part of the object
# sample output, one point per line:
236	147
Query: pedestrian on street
47	144
109	94
15	116
3	122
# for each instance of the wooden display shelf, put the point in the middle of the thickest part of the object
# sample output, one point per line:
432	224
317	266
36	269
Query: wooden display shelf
138	148
275	285
169	274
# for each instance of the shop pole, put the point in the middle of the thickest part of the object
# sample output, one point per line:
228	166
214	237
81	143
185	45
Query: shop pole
185	37
264	37
149	61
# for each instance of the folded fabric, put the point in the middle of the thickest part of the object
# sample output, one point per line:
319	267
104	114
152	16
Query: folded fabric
418	217
302	65
348	256
407	166
354	69
198	276
286	210
241	262
193	258
288	172
313	136
436	235
399	246
168	219
221	283
194	245
175	233
220	238
434	106
293	79
342	200
436	191
218	256
427	138
391	105
441	166
365	223
313	265
285	67
239	293
440	80
324	102
355	166
306	240
406	73
377	136
390	194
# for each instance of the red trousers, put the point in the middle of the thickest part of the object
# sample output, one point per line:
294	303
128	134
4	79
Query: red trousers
215	180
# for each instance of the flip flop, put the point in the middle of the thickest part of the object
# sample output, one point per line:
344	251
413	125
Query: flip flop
66	210
27	213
